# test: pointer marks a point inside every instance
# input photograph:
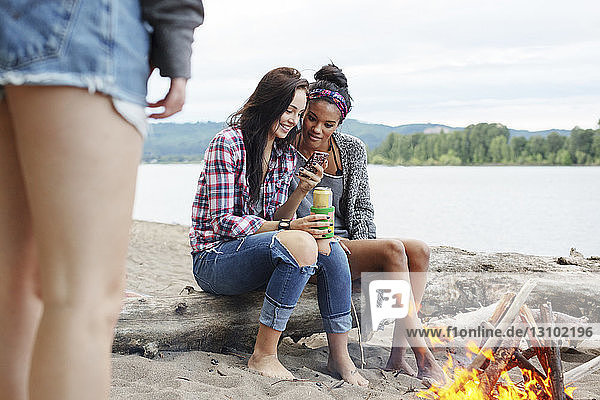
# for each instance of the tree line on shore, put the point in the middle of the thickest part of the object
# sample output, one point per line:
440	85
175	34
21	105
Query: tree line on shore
486	143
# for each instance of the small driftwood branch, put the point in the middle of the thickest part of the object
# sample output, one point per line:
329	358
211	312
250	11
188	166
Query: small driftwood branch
506	321
498	313
501	308
523	363
538	376
555	372
526	354
582	370
521	360
527	317
529	353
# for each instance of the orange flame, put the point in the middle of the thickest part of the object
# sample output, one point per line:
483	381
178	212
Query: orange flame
466	384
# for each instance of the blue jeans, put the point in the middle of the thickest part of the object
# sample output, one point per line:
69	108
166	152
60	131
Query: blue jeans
260	261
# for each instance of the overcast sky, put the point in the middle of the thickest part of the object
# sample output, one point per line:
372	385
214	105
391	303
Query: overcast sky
528	64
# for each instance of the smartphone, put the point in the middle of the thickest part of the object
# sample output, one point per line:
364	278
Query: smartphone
318	157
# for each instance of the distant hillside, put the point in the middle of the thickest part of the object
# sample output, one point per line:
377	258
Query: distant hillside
171	142
374	134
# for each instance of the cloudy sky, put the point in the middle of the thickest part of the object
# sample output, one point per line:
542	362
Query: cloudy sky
528	64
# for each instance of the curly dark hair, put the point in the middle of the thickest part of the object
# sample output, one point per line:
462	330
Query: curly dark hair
332	78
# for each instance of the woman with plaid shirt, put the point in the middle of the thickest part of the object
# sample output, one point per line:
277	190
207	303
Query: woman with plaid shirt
240	238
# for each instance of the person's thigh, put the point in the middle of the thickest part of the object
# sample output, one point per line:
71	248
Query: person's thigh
79	161
238	266
16	237
19	303
366	255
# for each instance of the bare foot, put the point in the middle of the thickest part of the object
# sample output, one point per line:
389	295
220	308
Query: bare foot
400	366
347	370
430	371
269	365
397	362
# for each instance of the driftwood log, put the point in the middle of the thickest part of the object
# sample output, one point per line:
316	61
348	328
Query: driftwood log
159	265
202	321
470	280
527	317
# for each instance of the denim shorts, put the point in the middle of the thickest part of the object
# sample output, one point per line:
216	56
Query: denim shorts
100	45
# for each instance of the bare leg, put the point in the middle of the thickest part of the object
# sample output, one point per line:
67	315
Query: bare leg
20	306
390	255
418	254
79	161
417	257
339	360
323	246
428	368
264	358
382	256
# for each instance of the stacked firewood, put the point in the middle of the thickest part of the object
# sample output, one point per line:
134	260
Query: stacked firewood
498	355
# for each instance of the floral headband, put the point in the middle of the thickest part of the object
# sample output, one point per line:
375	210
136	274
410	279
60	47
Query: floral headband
335	97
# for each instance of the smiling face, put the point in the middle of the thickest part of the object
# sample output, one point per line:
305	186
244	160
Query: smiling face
321	120
290	116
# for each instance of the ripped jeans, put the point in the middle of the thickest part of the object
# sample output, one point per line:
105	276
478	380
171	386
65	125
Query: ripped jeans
260	261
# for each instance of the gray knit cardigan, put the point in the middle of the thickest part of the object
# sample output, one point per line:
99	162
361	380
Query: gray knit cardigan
355	202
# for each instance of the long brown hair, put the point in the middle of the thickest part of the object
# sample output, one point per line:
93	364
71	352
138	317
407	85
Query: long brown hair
262	110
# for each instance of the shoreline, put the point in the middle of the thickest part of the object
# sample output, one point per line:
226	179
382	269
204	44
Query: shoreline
404	165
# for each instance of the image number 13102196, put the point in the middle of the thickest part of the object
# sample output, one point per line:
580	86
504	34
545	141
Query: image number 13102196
388	300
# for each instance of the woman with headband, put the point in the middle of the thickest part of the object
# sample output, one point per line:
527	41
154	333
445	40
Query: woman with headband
346	175
240	238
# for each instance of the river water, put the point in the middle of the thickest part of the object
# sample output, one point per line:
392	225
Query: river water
533	210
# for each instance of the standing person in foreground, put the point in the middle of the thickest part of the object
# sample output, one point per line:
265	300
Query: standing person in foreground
346	174
238	243
72	95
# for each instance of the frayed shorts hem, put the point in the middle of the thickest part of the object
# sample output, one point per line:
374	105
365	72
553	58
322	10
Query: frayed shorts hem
128	106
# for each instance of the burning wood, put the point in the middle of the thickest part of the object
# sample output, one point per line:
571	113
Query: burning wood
503	324
557	386
487	377
501	358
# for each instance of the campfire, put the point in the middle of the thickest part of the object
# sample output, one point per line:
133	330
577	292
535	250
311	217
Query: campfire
487	375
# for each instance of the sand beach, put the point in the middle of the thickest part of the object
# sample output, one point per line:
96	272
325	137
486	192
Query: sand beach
159	264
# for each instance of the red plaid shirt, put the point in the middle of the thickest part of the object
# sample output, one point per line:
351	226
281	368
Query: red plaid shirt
222	208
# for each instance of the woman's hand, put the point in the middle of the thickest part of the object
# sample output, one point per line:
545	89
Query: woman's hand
173	101
310	223
308	179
